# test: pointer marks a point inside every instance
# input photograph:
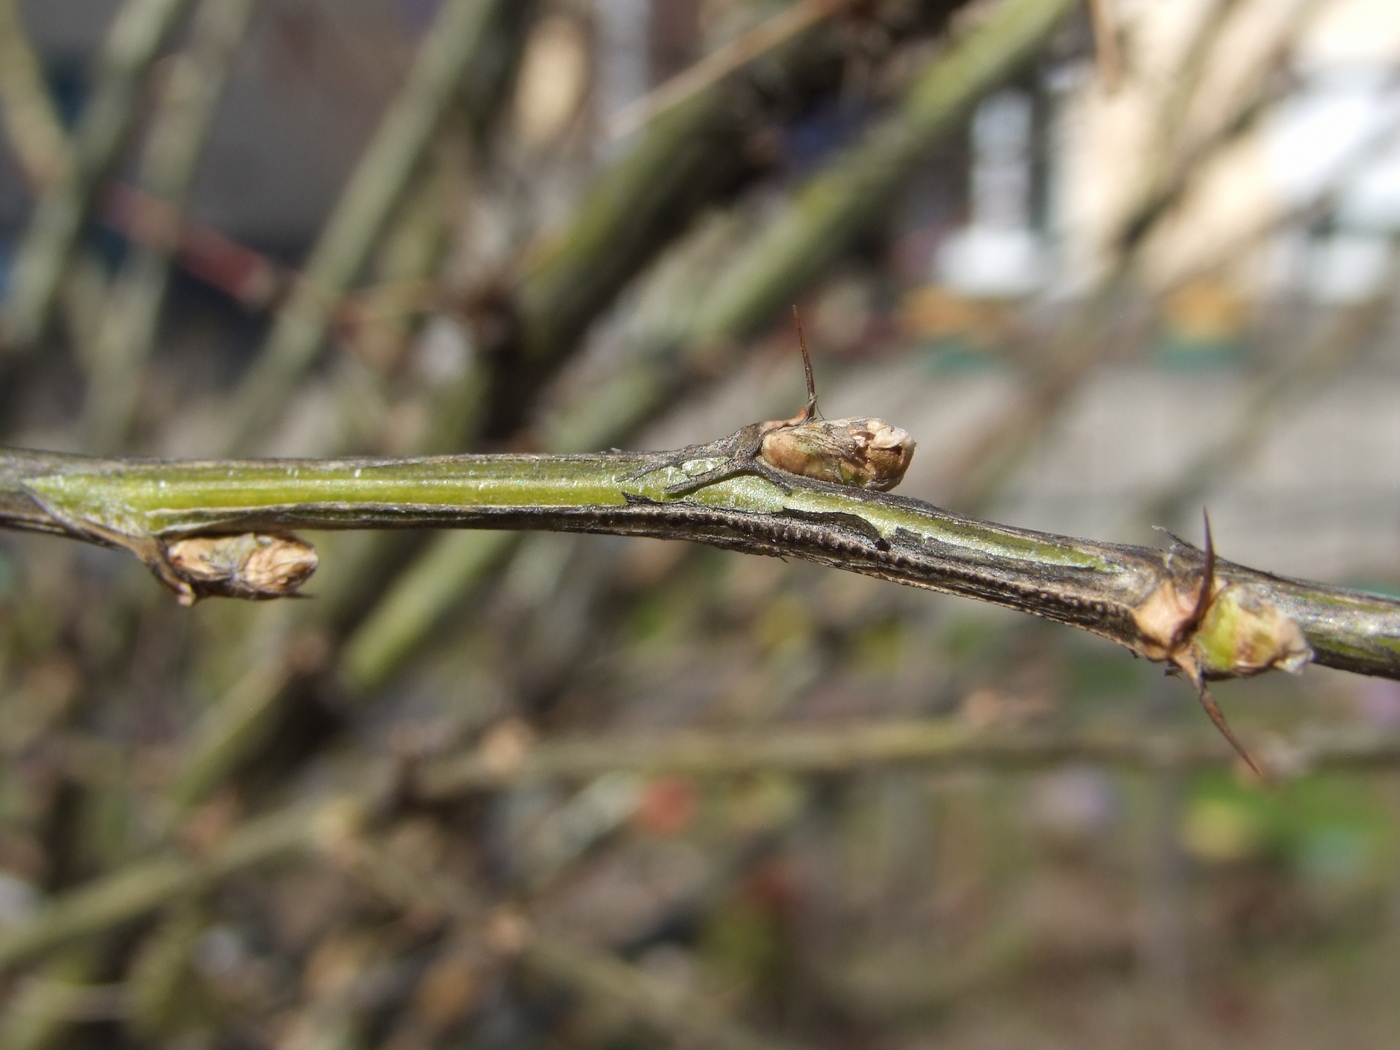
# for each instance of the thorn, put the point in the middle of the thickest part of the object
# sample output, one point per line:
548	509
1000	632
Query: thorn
1183	662
1217	716
1203	595
1205	590
811	409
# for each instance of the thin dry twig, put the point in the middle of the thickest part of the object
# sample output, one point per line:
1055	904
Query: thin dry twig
721	62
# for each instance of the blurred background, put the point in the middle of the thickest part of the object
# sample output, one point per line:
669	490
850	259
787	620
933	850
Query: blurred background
1107	262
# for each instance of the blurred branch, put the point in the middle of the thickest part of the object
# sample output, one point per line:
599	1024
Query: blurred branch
133	43
147	886
616	985
405	272
460	35
1140	597
250	278
189	98
1325	355
1181	88
719	63
31	121
601	977
1079	343
851	748
1183	151
857	188
43	1008
433	583
227	729
688	159
698	152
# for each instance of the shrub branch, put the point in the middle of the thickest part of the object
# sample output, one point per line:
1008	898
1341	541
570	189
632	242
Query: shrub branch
1137	596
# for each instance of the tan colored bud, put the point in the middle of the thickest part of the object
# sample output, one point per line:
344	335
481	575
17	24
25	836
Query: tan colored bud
865	453
248	565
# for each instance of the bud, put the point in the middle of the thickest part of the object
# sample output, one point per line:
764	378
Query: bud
1244	634
865	453
248	565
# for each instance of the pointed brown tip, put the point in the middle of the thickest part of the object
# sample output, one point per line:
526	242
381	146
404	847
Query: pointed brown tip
1217	717
811	409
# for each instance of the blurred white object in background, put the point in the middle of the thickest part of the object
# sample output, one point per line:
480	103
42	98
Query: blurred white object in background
998	254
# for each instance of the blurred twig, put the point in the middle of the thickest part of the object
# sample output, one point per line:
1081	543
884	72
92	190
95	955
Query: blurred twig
782	27
457	37
190	94
146	886
704	149
27	109
1077	344
132	44
859	186
615	985
229	728
42	1010
846	749
1323	357
149	885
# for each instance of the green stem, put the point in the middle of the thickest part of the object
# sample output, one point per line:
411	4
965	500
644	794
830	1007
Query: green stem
1109	589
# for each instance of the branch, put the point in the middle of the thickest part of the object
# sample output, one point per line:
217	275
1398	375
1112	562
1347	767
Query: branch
193	87
926	743
31	120
144	887
461	34
560	297
597	975
132	45
854	192
1143	598
721	62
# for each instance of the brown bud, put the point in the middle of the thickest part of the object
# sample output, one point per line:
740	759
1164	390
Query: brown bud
865	453
248	565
